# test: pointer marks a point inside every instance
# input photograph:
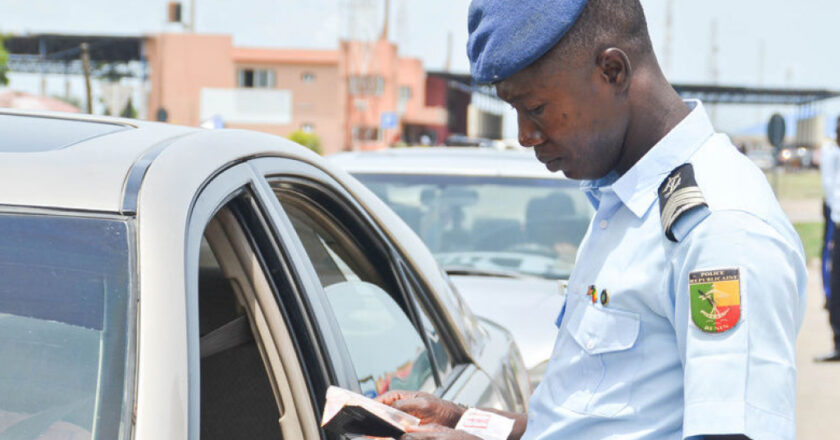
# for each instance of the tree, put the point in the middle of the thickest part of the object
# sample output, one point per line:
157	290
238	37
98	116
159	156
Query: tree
4	63
308	140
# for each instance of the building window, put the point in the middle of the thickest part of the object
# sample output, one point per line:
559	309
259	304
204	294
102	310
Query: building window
307	127
404	93
256	78
367	85
307	77
365	133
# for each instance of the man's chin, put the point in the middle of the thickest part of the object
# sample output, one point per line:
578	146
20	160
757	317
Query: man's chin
556	166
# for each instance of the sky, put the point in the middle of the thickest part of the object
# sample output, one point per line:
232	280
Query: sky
796	39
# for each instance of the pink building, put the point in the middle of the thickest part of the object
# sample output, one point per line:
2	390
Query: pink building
360	96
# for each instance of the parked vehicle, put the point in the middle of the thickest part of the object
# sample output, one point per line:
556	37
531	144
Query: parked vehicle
764	159
505	228
164	282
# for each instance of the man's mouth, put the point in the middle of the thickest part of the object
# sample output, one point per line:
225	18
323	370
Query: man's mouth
550	161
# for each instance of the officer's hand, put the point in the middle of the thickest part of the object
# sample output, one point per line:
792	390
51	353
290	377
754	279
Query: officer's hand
426	407
436	432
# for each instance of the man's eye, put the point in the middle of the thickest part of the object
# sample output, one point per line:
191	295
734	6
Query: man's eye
536	111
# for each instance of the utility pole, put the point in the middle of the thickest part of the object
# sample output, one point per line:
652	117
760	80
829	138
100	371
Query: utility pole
386	23
448	66
86	66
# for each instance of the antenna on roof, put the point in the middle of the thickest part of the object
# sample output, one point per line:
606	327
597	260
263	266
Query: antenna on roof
448	66
387	20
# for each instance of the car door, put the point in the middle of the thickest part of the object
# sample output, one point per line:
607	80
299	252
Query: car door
255	368
393	331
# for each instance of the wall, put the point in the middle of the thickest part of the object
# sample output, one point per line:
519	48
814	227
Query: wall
181	65
319	103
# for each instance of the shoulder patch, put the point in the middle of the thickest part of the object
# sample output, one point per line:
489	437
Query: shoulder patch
715	299
678	194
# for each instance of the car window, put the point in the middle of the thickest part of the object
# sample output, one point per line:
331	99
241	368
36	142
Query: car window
236	395
65	284
527	226
387	350
257	378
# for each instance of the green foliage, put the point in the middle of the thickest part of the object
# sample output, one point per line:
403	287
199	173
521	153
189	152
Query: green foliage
799	185
72	100
129	111
308	140
4	61
811	235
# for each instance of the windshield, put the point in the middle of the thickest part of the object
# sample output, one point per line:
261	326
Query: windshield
491	225
64	288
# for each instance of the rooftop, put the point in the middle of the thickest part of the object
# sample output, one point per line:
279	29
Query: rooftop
464	161
284	56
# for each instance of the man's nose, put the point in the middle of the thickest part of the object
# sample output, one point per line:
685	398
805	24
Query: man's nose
529	134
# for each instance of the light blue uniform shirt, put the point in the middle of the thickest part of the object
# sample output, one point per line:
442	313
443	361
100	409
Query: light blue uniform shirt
639	367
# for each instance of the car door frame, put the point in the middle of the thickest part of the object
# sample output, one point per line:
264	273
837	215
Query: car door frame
225	186
271	168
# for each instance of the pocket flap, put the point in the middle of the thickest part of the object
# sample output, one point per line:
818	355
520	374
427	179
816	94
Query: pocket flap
602	330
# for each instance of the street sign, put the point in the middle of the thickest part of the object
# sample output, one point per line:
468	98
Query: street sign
389	121
776	130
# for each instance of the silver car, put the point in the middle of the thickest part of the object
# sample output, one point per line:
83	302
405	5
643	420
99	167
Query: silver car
506	229
164	282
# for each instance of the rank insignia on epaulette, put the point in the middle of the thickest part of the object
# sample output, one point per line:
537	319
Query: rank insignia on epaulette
715	299
678	194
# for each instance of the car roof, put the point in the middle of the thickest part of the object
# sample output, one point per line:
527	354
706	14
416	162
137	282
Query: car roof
95	173
71	164
445	160
89	163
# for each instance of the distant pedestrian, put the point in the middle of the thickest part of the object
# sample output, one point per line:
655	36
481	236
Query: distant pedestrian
830	167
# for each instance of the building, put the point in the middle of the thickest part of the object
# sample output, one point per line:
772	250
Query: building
359	96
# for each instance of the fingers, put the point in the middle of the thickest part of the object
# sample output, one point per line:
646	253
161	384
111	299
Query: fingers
427	432
411	405
393	396
430	427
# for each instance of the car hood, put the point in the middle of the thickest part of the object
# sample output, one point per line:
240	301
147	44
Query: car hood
528	308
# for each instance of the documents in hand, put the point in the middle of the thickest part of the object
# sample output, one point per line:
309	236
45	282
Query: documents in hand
349	413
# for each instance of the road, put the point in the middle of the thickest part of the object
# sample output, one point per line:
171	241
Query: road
818	392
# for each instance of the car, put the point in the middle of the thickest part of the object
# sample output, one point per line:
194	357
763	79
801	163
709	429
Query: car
764	159
504	227
166	282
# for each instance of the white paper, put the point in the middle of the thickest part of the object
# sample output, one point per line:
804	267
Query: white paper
485	425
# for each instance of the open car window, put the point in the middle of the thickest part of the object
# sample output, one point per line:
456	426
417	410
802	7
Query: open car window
375	316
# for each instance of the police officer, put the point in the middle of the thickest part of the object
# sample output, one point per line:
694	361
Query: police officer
689	290
829	167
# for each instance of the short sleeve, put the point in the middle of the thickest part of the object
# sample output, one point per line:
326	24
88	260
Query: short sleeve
739	292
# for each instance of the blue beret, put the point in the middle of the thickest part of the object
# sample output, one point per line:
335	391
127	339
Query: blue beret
507	36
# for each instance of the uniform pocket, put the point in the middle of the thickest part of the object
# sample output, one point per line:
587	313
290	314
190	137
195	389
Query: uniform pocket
598	360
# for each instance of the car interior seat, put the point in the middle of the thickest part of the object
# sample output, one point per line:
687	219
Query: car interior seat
495	234
552	219
236	396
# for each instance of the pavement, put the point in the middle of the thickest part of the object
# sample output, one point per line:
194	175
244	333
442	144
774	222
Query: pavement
803	211
818	385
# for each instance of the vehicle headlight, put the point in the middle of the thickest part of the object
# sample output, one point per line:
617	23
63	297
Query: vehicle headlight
537	373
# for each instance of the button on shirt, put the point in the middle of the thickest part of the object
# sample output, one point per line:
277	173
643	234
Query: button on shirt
637	366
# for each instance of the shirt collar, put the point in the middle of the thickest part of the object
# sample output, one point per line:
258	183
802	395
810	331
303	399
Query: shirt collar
637	188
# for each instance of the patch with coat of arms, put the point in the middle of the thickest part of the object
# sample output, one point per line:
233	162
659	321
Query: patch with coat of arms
715	299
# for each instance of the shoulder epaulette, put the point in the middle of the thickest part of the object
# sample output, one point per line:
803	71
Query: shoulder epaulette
678	194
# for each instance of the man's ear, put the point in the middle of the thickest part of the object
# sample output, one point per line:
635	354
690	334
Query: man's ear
615	68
